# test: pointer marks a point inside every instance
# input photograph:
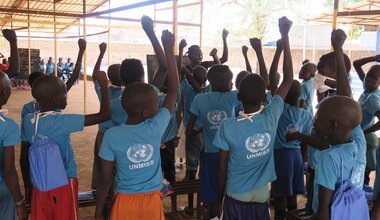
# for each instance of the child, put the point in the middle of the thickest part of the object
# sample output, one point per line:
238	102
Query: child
11	199
139	176
306	73
211	109
51	93
114	90
33	107
246	164
370	104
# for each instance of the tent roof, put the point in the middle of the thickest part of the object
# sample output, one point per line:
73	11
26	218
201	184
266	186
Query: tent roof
363	13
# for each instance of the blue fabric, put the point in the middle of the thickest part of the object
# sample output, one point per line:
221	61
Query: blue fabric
376	188
9	136
50	68
328	171
250	146
211	109
307	94
268	98
7	203
47	170
30	107
189	93
292	119
137	154
237	210
208	186
171	131
58	128
370	104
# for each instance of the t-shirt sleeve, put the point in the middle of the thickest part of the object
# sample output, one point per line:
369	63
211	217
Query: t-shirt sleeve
12	134
194	108
308	120
105	151
233	97
161	120
23	111
220	140
72	122
304	91
374	104
327	172
274	109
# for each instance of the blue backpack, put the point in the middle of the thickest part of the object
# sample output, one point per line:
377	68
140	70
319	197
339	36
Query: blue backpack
349	202
46	165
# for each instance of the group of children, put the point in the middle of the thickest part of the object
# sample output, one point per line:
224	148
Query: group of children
249	144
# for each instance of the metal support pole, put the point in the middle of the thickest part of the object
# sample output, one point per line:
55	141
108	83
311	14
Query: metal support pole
201	26
335	14
109	35
55	44
29	59
84	61
175	25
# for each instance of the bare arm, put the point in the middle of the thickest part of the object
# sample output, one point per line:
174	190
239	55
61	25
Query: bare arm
285	25
324	203
256	45
78	65
14	61
104	186
214	54
25	169
244	50
375	212
190	126
374	127
182	45
105	111
102	49
274	68
224	57
315	142
194	83
360	62
173	84
343	86
222	174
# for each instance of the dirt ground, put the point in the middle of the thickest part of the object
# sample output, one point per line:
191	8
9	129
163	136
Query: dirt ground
83	141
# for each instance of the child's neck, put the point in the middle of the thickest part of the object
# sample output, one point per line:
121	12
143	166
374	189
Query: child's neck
47	108
134	120
340	138
251	108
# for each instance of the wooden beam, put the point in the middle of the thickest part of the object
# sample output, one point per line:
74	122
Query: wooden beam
180	6
51	13
139	20
354	13
175	25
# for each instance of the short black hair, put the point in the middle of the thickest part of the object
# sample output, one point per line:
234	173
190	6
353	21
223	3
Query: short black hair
193	48
33	76
47	86
220	77
239	77
328	61
113	73
252	90
293	93
131	70
137	97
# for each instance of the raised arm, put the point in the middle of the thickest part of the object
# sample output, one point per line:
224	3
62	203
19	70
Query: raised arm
78	65
173	85
160	75
194	83
224	57
315	142
244	50
105	111
343	85
285	24
274	67
14	61
182	45
360	62
102	49
256	45
214	54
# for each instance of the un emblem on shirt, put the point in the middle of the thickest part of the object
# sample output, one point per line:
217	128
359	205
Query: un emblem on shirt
357	176
258	142
140	153
215	117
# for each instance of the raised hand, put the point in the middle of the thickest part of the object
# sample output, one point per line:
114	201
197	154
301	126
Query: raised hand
10	35
337	38
182	44
168	40
103	47
255	43
284	25
225	33
147	24
244	49
82	44
213	52
101	77
279	45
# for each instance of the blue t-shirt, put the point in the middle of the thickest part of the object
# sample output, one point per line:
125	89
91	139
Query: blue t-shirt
171	131
30	107
50	68
370	104
136	151
307	94
9	136
292	119
250	146
268	98
58	128
328	171
114	96
211	109
189	94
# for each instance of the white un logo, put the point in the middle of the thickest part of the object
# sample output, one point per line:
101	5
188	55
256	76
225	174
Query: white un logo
215	117
140	153
258	142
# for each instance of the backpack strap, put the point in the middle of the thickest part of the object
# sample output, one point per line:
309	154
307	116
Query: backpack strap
3	112
341	165
250	115
36	118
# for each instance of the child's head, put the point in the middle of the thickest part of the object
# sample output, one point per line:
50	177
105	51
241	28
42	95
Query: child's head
252	90
293	93
239	77
113	73
60	59
220	78
140	100
131	71
69	60
305	61
50	59
5	61
50	91
372	79
307	71
346	115
5	88
33	76
200	75
327	67
195	54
